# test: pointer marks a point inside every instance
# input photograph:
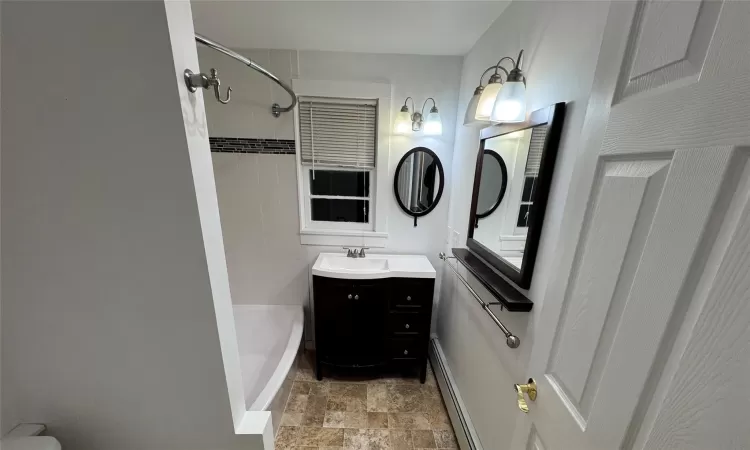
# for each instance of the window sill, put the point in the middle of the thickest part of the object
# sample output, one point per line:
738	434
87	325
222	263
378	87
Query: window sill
513	237
340	238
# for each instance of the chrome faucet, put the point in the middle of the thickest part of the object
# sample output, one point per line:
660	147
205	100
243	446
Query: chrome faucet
353	253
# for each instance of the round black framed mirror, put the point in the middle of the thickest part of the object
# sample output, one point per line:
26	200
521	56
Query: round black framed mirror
494	183
418	182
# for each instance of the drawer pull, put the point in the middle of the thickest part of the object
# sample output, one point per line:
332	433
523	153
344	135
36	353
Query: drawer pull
349	297
406	352
407	326
356	297
408	298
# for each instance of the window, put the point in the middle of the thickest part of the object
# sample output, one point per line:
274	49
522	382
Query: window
339	196
337	153
341	133
526	202
533	162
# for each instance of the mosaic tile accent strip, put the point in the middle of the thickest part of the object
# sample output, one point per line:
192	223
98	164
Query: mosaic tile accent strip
251	145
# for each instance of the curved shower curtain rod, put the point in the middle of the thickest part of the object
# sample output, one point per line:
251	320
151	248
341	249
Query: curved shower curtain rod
276	109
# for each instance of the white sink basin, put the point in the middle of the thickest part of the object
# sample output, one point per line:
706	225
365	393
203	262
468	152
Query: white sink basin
337	265
359	265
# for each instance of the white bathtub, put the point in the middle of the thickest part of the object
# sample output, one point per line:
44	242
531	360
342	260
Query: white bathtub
269	340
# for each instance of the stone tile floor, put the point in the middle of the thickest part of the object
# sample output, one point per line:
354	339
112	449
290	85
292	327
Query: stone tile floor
352	414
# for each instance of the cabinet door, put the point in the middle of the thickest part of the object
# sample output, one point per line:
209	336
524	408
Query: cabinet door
371	309
350	322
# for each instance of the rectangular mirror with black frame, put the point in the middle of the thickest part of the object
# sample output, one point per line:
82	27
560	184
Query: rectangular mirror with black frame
513	175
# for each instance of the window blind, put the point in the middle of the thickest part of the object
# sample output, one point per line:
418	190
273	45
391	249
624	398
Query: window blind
536	146
338	132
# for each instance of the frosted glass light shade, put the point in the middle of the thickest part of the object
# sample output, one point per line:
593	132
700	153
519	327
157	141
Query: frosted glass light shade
471	111
510	105
402	124
487	101
433	126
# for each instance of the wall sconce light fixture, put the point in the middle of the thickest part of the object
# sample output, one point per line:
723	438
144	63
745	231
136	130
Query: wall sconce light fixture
499	101
484	96
406	123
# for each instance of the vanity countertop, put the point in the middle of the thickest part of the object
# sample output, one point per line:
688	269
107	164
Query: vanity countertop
372	266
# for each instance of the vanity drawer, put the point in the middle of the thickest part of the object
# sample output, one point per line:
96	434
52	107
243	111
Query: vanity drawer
411	294
406	323
402	349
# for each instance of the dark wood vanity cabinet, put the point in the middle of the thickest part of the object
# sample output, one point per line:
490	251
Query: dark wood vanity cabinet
380	325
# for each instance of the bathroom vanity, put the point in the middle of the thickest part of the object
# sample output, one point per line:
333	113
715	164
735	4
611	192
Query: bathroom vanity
372	313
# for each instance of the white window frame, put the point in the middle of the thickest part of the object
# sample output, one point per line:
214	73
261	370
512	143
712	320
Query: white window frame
374	233
323	225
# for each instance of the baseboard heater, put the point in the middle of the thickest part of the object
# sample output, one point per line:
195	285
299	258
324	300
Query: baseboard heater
462	426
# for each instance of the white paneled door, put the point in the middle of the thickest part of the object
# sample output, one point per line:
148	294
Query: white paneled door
643	341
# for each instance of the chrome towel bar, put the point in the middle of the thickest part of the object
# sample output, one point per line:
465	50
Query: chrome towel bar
510	339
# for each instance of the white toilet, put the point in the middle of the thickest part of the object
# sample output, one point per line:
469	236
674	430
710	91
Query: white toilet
26	437
31	443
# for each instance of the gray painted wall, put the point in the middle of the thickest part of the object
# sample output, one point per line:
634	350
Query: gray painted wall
561	42
109	327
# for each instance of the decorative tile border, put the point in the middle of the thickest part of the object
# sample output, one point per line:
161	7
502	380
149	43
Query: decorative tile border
250	145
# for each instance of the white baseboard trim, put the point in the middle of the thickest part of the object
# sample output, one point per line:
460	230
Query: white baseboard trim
464	430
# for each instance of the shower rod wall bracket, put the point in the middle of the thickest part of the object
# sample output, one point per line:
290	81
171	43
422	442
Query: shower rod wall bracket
193	81
276	110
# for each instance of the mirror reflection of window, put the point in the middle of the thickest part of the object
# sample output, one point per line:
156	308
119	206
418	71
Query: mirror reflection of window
418	182
526	202
423	181
533	161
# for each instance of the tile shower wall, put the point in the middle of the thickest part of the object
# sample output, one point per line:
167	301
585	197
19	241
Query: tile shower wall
257	189
248	115
258	206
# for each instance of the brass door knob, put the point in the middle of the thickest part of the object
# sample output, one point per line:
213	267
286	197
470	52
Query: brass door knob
528	388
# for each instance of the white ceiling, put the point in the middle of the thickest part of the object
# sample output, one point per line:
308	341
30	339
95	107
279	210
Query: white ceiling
411	27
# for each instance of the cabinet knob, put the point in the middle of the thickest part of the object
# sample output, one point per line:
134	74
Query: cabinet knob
408	298
356	297
406	352
407	326
349	296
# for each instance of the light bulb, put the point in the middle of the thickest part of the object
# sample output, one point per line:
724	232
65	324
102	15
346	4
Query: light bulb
402	123
510	105
433	126
471	111
487	100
